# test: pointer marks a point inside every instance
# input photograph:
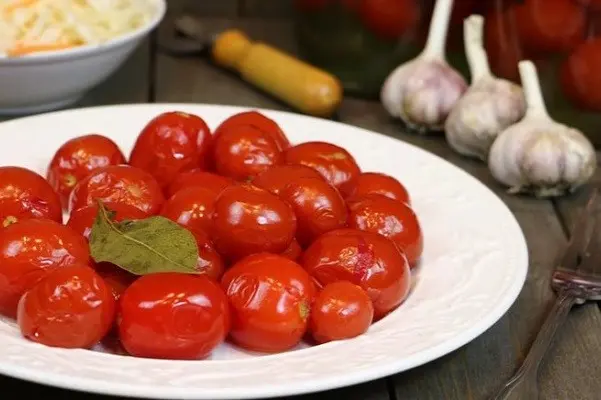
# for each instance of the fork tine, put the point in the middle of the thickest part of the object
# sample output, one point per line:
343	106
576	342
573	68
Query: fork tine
582	232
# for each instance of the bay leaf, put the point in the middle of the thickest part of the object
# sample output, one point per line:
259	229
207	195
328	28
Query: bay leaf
145	246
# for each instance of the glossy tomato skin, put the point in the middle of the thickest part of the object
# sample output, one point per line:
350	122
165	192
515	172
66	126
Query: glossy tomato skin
277	178
333	162
243	152
29	250
171	143
173	316
191	207
366	259
376	183
82	219
247	220
342	310
119	184
204	179
293	252
390	218
72	307
24	194
258	121
77	157
209	261
318	206
270	298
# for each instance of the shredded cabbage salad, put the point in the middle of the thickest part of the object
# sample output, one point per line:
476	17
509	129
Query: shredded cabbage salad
32	26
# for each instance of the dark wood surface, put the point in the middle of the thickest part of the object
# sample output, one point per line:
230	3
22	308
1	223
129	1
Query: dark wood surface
475	371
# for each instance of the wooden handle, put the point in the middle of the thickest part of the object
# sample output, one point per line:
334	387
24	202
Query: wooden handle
295	82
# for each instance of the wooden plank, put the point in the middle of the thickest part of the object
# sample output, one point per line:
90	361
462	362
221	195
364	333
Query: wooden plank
479	368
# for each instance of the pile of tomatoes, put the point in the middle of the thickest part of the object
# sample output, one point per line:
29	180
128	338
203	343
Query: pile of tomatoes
294	242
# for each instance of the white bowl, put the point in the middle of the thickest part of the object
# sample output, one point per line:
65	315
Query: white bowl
47	81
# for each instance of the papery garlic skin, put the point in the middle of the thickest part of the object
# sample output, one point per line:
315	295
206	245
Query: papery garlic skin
535	157
488	107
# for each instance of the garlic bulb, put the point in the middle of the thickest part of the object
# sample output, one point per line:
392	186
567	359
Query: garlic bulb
538	155
423	91
488	106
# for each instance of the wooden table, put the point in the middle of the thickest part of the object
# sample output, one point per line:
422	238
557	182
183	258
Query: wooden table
573	364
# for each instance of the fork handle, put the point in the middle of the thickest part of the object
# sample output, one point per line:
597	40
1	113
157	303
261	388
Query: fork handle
523	385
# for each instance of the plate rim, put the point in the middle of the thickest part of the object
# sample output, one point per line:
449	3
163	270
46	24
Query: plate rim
311	386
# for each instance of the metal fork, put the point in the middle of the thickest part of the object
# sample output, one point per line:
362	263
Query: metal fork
576	279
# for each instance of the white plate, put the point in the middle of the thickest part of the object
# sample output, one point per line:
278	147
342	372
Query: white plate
474	266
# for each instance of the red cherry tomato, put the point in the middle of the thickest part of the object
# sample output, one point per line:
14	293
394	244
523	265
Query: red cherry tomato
247	220
375	183
82	219
366	259
29	250
119	184
204	179
334	163
549	25
293	252
258	121
72	307
277	178
209	261
243	152
270	297
318	207
342	310
191	208
171	143
116	278
580	78
76	158
24	195
390	218
389	19
173	316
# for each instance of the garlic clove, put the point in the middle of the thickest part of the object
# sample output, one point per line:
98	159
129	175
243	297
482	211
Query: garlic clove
423	91
538	155
488	106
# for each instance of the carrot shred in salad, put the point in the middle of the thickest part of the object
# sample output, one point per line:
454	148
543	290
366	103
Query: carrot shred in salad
33	26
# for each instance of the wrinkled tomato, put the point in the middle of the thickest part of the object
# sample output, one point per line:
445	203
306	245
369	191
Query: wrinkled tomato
191	208
334	163
342	310
119	184
82	219
204	179
209	261
72	307
77	157
390	19
173	316
115	277
318	207
293	252
243	152
277	178
580	78
390	218
258	121
171	143
247	220
375	183
270	299
24	194
366	259
29	250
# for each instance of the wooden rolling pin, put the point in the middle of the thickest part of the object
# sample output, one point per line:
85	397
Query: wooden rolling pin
297	83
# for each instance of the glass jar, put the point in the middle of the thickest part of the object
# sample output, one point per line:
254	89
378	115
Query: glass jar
361	41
